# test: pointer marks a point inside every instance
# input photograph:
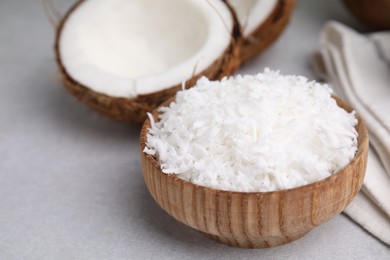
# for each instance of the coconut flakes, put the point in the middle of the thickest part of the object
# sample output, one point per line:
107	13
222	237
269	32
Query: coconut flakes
253	133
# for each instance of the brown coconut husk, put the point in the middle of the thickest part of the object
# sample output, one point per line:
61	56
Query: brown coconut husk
268	31
375	14
133	110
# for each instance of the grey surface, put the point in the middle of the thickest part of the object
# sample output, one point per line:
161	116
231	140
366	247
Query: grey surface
70	180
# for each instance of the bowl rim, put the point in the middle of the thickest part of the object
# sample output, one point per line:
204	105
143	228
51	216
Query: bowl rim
363	139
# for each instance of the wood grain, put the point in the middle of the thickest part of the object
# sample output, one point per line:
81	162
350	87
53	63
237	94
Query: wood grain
256	219
375	14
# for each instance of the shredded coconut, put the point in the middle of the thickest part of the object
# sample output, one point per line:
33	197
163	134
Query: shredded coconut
253	133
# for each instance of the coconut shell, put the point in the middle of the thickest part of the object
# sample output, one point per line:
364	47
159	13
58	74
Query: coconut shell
133	110
268	31
375	14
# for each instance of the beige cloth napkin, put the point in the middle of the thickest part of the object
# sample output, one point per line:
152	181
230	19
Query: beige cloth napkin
358	68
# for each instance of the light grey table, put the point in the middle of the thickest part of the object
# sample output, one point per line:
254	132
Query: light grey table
70	180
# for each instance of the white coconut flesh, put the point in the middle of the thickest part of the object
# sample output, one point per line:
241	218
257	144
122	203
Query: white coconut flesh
126	48
252	13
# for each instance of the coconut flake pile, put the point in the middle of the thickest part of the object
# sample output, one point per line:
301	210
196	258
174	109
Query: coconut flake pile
253	133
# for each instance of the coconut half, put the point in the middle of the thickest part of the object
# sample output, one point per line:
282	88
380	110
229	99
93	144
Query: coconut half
262	22
124	57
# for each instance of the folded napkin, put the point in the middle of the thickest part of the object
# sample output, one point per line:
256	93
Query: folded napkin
358	68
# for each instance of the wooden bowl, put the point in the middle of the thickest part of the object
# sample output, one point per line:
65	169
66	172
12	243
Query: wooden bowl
375	14
256	219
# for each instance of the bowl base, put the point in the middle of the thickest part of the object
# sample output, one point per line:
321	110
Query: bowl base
246	242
